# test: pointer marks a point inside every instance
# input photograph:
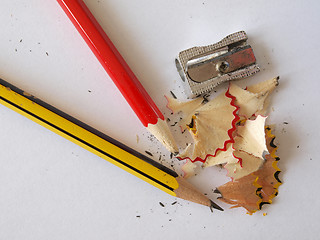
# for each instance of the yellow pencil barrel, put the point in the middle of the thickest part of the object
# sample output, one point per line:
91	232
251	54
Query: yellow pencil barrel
88	138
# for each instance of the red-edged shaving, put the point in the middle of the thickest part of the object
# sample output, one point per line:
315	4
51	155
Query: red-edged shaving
208	118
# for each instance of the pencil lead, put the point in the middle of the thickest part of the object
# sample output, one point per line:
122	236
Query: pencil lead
217	191
216	206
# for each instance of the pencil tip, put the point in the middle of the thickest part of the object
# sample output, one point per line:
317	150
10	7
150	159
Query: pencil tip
216	206
217	191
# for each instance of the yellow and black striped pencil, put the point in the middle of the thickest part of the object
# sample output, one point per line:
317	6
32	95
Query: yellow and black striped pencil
100	144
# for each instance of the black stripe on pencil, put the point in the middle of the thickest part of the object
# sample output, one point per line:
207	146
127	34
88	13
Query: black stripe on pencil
82	125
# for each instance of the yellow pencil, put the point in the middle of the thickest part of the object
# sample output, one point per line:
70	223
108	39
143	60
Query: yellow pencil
100	144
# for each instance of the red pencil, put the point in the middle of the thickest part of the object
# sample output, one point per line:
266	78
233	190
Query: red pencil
119	71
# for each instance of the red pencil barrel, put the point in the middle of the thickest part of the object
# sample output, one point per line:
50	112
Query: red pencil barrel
112	61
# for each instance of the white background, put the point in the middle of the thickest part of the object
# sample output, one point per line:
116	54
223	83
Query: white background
52	189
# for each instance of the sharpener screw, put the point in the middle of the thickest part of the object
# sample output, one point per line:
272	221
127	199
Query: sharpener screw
223	66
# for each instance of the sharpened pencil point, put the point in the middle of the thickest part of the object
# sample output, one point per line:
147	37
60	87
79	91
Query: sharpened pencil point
216	206
217	191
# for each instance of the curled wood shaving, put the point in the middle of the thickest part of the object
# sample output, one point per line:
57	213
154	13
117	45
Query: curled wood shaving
187	109
211	128
258	188
252	100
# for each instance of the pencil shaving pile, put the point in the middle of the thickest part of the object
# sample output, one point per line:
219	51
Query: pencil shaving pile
230	130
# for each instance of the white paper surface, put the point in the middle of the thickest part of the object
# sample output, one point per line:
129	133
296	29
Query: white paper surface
53	189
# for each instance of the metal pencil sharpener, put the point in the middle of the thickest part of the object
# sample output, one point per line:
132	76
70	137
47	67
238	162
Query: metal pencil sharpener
203	68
